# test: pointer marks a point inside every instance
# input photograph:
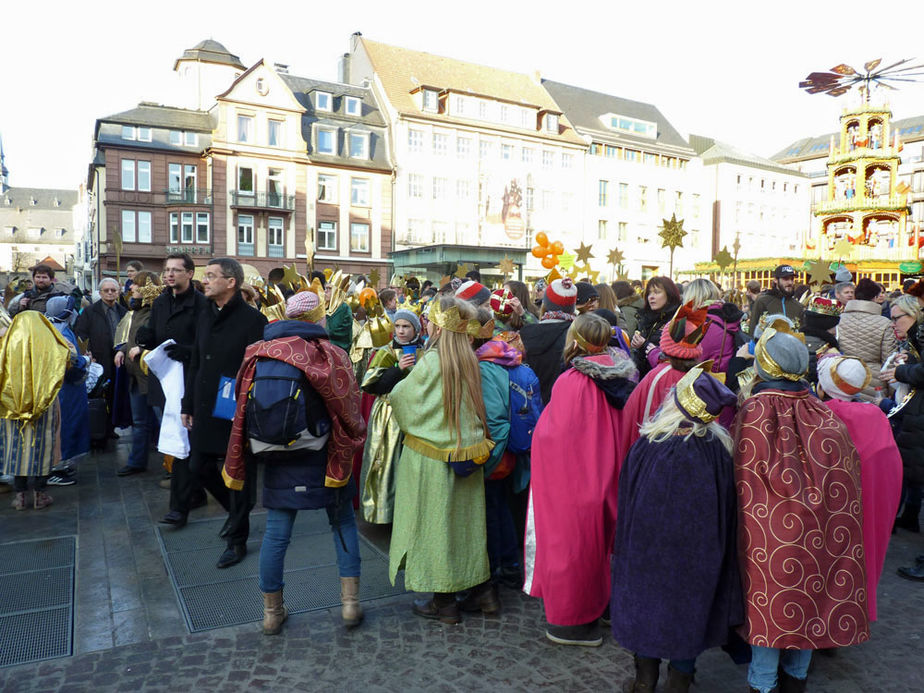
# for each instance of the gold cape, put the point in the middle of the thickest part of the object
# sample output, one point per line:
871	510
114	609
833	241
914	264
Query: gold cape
33	359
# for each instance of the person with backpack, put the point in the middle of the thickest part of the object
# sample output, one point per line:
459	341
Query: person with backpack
545	340
388	366
297	412
576	454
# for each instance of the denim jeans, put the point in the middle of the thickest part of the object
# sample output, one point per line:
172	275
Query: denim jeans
144	423
276	540
766	660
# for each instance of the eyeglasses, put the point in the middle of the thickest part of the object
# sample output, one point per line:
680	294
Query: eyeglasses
896	318
212	277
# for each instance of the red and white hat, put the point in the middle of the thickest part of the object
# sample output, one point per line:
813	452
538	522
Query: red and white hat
560	295
473	292
500	303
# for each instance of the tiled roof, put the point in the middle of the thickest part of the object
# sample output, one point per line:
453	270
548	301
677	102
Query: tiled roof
908	129
210	51
44	198
584	108
157	115
402	70
713	152
303	87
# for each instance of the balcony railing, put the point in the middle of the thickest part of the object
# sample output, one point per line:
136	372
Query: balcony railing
853	204
263	200
188	197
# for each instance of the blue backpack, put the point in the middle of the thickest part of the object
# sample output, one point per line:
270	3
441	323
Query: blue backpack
525	408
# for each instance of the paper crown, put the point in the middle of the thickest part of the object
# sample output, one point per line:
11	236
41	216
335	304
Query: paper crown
767	358
682	335
453	321
825	306
700	396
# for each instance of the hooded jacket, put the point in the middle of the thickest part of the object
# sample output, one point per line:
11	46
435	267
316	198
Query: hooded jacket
773	301
545	345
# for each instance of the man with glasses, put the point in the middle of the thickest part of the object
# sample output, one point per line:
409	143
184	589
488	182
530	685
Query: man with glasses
227	327
174	315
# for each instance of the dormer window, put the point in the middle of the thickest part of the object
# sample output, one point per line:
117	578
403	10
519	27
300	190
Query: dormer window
431	100
128	133
550	123
322	101
353	106
359	145
326	141
144	134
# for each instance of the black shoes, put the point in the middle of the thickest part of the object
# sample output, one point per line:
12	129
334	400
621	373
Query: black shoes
175	519
128	470
915	572
482	598
586	634
232	556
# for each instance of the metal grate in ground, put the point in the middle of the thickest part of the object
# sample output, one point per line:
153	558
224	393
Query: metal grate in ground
212	598
36	600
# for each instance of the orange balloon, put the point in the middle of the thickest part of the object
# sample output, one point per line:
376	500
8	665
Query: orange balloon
542	238
366	294
558	247
539	251
549	261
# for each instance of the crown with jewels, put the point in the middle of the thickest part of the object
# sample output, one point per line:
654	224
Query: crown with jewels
825	306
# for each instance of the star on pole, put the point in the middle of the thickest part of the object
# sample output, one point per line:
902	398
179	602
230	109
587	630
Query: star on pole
615	257
583	253
462	269
290	276
505	266
843	248
723	259
672	233
818	272
374	277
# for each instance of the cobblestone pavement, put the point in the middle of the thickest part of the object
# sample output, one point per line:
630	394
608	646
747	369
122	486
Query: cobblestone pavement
129	633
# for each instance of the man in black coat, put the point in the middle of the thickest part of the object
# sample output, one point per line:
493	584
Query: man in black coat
98	325
174	315
227	327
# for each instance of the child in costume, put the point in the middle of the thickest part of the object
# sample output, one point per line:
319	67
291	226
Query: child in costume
438	536
388	366
575	465
676	587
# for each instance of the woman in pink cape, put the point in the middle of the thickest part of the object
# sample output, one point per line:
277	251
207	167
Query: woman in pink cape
571	519
842	378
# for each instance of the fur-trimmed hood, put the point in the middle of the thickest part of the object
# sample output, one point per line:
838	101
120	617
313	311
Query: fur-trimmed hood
611	372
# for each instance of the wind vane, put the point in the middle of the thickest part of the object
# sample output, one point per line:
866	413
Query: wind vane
842	78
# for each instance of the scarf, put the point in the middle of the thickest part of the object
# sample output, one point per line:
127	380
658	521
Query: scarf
557	315
500	352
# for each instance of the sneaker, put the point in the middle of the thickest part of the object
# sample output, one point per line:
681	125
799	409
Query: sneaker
42	500
586	635
61	479
19	501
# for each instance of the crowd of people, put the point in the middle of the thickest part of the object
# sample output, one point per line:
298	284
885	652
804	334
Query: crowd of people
692	467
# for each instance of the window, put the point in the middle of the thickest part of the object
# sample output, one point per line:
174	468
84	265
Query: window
631	155
596	149
174	227
458	105
483	110
623	230
678	204
644	128
548	158
463	147
186	230
504	113
176	139
527	155
274	237
624	195
416	228
609	151
245	180
144	134
244	128
128	226
601	229
244	235
695	205
128	174
189	182
550	123
431	101
202	227
359	237
602	190
415	185
463	189
567	160
174	176
651	159
359	145
327	235
485	149
440	188
506	151
128	132
661	200
547	197
322	101
353	106
642	198
190	139
144	176
441	232
144	227
327	141
274	133
327	188
440	144
415	140
359	192
530	199
275	190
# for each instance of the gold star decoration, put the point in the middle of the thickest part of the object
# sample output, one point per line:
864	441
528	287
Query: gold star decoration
587	271
462	269
505	266
672	233
445	280
583	253
723	259
290	276
818	272
374	277
615	257
843	248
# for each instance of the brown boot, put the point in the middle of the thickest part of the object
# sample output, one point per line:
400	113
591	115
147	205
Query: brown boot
482	598
677	681
274	613
352	611
647	670
442	607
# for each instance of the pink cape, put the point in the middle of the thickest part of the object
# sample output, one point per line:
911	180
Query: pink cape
880	482
571	520
644	402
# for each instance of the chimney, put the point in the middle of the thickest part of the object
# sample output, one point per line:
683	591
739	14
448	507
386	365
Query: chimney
281	69
343	69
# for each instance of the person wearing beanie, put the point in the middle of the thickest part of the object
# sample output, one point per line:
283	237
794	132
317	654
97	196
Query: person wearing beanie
843	275
305	306
777	299
576	454
819	325
676	585
474	292
587	297
545	341
863	332
389	365
798	476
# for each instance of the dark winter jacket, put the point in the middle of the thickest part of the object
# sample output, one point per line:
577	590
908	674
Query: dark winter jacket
176	318
650	323
545	345
37	299
772	301
93	324
221	340
629	308
910	433
139	319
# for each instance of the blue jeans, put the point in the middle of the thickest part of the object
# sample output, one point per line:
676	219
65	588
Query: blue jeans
144	423
766	660
276	540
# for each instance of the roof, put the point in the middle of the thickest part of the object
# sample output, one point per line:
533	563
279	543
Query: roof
908	129
158	115
44	198
210	51
303	87
584	108
713	152
402	70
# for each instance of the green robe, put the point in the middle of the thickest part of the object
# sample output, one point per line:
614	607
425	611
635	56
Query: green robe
439	536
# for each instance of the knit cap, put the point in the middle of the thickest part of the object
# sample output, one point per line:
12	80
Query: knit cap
473	292
843	274
560	295
301	303
681	337
410	317
585	292
780	354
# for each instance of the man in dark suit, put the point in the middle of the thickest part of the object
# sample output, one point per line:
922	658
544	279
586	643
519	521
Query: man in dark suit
227	327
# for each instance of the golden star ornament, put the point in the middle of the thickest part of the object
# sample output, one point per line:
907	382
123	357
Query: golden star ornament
818	272
723	259
505	266
462	269
672	233
615	257
843	248
583	253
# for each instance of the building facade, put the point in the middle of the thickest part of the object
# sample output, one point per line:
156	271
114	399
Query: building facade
36	225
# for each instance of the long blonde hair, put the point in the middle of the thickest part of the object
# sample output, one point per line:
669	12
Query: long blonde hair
669	419
702	292
459	370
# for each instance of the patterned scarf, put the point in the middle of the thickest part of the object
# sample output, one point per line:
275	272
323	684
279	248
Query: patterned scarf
557	315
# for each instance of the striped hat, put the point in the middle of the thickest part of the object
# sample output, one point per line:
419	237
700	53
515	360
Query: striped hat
473	292
560	295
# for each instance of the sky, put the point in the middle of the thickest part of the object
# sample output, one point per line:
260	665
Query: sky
727	70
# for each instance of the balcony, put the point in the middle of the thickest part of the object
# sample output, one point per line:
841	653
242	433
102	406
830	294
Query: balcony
263	200
882	203
188	197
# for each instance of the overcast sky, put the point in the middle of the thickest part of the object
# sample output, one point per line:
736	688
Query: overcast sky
729	70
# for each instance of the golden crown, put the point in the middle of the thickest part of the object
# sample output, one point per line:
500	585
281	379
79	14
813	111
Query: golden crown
453	321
